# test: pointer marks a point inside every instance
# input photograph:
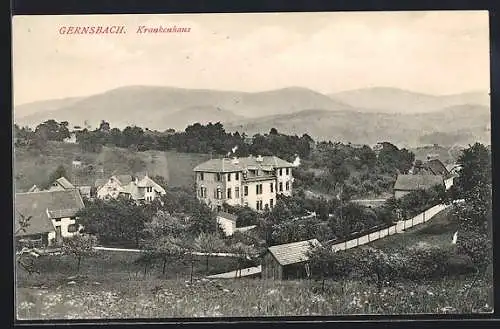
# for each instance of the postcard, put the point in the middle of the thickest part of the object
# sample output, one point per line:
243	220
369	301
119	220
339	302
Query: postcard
252	165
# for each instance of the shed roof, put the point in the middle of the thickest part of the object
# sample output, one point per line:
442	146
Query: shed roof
416	182
229	165
292	253
44	205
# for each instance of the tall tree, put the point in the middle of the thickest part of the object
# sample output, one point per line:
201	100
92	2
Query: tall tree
209	243
80	246
165	238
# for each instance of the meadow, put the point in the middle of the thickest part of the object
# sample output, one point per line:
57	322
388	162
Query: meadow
157	298
33	166
112	285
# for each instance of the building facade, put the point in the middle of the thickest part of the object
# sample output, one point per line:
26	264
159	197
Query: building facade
143	189
52	216
252	181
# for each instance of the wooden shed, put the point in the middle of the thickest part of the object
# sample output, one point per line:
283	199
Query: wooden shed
287	261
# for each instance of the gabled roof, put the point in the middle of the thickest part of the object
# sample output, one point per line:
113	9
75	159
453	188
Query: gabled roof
436	167
43	206
292	253
416	182
65	183
229	165
148	182
123	179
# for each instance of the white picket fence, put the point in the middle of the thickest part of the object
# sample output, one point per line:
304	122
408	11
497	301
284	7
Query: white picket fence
399	227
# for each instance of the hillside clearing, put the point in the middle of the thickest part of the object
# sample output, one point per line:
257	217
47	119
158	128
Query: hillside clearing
33	166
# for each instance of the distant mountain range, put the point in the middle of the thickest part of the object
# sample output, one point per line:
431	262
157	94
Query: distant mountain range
359	116
393	100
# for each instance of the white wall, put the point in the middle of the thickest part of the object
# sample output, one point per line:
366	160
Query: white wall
111	189
266	195
227	225
283	179
64	223
233	184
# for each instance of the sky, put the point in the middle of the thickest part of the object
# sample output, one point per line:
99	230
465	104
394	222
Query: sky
438	52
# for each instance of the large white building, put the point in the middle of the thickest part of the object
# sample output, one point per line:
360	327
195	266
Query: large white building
251	181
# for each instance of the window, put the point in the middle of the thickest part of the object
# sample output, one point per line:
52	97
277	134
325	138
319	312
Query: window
287	186
245	190
259	205
281	172
219	193
281	186
271	186
237	176
72	228
203	192
271	203
237	192
217	177
288	171
149	189
229	195
202	177
258	189
229	177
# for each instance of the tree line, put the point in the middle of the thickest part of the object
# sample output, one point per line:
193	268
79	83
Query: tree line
329	167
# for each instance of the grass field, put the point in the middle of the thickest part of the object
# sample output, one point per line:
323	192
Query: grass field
436	232
156	298
112	286
32	166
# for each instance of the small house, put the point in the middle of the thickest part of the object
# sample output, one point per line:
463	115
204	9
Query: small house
52	216
144	189
287	261
409	183
227	222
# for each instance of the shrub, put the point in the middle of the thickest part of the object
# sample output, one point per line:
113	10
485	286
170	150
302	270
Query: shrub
426	262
